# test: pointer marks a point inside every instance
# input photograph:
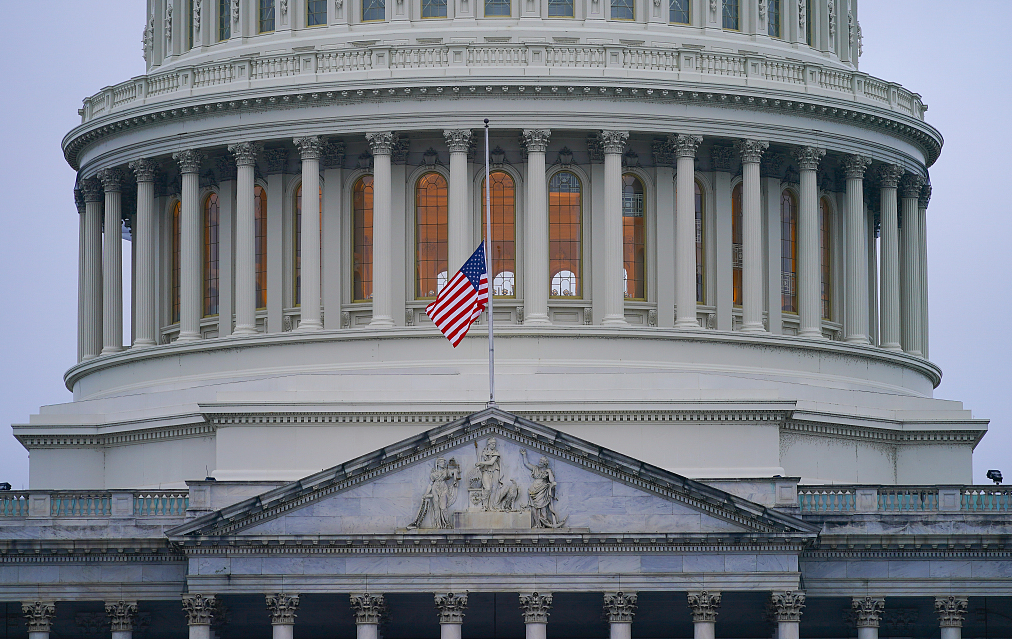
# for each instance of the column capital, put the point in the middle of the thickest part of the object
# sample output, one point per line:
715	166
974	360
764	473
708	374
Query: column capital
381	143
310	147
613	141
704	605
620	606
950	611
808	157
458	140
368	608
451	606
910	185
787	605
535	140
189	160
282	607
144	169
867	611
39	615
92	190
685	145
854	166
277	160
112	179
889	175
536	607
751	151
121	615
925	197
199	609
245	153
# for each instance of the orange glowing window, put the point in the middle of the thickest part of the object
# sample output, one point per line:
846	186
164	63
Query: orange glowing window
430	235
211	255
502	244
362	239
565	235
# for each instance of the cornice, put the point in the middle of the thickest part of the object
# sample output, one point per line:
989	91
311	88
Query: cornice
885	434
37	441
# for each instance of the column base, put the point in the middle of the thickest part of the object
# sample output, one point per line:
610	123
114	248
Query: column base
614	320
311	326
811	333
857	339
142	343
188	337
914	353
688	325
752	328
380	321
891	347
537	319
243	331
109	350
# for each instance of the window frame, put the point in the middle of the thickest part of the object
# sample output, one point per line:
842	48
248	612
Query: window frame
310	13
507	3
260	215
260	9
643	232
357	179
581	275
445	7
516	220
688	12
826	253
175	259
224	21
792	227
210	261
570	3
699	203
724	15
778	21
444	214
737	221
631	7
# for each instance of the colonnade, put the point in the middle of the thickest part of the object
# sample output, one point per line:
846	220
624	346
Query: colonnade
902	270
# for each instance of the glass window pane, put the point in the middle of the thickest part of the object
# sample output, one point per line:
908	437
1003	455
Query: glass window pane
809	23
731	15
565	235
433	8
316	12
789	252
362	240
266	17
497	8
189	24
176	271
430	235
773	18
211	255
679	11
502	244
373	10
825	222
224	20
260	240
736	242
633	241
297	249
700	251
622	10
560	9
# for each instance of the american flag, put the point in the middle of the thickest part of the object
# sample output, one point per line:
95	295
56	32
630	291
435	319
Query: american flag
462	299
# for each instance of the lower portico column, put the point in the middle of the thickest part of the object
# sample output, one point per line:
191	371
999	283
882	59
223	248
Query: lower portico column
39	617
451	608
536	607
199	610
868	614
704	607
121	618
951	611
620	608
787	612
282	608
369	610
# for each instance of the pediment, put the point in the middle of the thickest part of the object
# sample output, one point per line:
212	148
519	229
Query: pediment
494	472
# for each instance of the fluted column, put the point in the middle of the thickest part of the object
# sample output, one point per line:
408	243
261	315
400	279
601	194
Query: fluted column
121	616
451	609
39	617
613	144
536	607
620	608
144	248
752	225
856	253
81	231
245	238
685	230
309	270
190	243
867	615
282	608
536	277
459	236
922	226
704	606
786	608
369	609
199	610
112	264
951	611
382	231
809	255
889	271
92	309
910	267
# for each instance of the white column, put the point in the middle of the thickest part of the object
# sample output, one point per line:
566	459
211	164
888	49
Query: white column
724	244
685	231
536	607
664	205
460	236
889	289
112	264
92	268
144	248
309	270
369	609
871	247
951	611
704	606
867	615
39	617
613	144
856	253
333	249
245	238
536	276
922	221
910	267
190	242
121	616
382	229
199	610
752	254
451	609
282	608
620	608
277	164
786	608
809	255
81	226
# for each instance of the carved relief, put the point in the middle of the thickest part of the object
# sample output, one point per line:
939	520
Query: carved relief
121	615
802	17
950	611
196	20
536	140
199	609
762	12
832	22
168	27
541	494
787	605
440	496
277	160
808	157
189	160
751	151
235	12
619	607
380	143
39	615
368	608
536	607
495	497
713	10
458	140
148	39
867	611
613	141
282	608
451	607
721	158
854	166
704	606
245	152
889	176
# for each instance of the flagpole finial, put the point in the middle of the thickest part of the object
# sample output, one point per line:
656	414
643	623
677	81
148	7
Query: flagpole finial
486	121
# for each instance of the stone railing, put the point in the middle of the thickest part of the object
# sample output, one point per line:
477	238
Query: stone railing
581	61
93	504
824	500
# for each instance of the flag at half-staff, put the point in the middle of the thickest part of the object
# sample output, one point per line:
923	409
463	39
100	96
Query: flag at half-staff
462	299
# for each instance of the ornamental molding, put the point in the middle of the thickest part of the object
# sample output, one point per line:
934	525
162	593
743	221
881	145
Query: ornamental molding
381	143
246	153
854	166
620	607
613	142
536	607
39	615
867	611
925	196
704	606
282	608
458	140
310	147
786	606
808	157
199	609
685	146
751	151
451	607
884	434
910	186
112	180
889	176
189	160
535	140
92	190
333	154
144	169
163	433
369	609
722	158
951	611
227	168
121	615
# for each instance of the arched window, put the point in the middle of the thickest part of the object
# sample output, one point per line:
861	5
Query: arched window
297	249
736	244
825	243
430	234
700	248
361	267
565	235
211	255
633	241
789	252
502	244
176	263
260	240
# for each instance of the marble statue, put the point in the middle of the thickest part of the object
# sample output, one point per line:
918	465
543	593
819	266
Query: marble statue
541	494
440	495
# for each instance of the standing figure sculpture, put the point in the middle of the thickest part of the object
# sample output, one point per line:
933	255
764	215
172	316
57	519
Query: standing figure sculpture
440	495
491	475
541	494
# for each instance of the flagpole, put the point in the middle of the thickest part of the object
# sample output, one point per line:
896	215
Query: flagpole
488	269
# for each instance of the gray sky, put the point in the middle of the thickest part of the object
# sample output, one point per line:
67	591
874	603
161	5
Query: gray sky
957	62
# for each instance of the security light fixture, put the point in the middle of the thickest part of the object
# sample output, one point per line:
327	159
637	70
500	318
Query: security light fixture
995	476
5	485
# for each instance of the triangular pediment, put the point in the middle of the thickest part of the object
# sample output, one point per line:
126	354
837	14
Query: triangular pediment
494	472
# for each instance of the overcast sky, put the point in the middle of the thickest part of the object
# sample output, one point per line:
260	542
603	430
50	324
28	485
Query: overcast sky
958	64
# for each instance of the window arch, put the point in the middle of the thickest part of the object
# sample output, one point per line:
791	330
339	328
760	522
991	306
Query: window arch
260	243
789	252
211	255
297	249
633	240
825	252
431	230
502	244
736	244
700	246
565	235
361	267
176	260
